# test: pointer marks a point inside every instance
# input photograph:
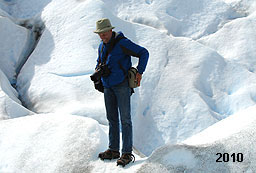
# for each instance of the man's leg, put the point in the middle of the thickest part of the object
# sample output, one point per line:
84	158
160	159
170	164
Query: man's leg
123	93
113	119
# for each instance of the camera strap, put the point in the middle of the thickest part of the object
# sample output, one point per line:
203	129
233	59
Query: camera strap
114	41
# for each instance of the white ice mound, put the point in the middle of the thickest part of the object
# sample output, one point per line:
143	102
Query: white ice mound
13	42
227	146
10	105
50	143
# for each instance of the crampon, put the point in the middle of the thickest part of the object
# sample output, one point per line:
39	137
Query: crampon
125	159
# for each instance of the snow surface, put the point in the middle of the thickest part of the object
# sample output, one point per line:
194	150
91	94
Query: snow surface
69	143
235	134
50	143
55	143
200	71
13	41
10	105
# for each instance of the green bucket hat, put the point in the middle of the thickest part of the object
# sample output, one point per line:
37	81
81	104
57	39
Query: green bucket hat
103	25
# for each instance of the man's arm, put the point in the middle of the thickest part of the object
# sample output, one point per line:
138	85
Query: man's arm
135	50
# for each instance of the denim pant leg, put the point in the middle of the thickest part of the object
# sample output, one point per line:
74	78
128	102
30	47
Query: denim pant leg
113	119
123	94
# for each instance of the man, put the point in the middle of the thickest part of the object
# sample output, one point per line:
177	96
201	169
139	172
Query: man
117	58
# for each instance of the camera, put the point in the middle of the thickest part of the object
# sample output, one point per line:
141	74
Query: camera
101	71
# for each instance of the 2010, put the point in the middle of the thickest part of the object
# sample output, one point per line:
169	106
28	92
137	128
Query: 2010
225	157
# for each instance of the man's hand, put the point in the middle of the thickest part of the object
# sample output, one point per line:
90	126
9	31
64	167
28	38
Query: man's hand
138	78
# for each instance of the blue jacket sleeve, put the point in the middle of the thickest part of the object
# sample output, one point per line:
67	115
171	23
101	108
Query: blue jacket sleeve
133	49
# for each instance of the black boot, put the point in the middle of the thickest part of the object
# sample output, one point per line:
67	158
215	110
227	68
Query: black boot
109	154
125	159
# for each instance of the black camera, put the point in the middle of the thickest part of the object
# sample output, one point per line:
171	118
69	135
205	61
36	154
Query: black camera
101	71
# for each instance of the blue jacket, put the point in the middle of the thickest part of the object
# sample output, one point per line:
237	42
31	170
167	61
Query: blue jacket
121	54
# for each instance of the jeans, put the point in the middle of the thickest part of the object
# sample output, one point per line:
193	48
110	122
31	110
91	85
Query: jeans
118	98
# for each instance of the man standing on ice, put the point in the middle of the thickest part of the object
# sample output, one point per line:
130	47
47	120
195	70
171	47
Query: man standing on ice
115	56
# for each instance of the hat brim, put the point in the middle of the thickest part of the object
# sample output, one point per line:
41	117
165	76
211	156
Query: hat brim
98	31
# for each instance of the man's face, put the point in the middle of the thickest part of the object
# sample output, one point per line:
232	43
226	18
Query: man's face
106	36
